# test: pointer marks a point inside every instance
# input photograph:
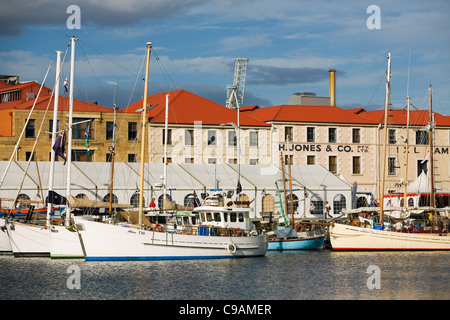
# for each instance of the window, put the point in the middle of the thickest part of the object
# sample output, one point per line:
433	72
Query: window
310	134
332	164
109	130
132	157
114	198
268	203
29	155
253	162
421	137
134	200
316	205
356	136
422	165
79	129
392	136
212	160
288	159
294	201
288	134
332	135
189	137
50	127
82	155
310	160
232	139
338	203
356	165
253	138
108	157
188	160
169	136
392	171
212	137
132	131
23	205
30	129
232	161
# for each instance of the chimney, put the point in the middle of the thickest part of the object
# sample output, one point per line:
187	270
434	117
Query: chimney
332	85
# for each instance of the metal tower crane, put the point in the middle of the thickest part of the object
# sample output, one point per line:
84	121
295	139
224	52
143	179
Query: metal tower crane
235	93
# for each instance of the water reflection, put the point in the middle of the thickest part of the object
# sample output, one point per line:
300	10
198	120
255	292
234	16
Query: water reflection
305	275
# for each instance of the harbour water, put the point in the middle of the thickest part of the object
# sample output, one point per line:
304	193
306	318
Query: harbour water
308	275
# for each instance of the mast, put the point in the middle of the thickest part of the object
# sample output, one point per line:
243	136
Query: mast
53	133
113	154
290	186
166	131
405	202
69	143
430	137
284	181
386	109
144	125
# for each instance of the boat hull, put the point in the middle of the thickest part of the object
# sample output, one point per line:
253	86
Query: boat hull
103	242
347	237
313	243
5	244
65	243
28	240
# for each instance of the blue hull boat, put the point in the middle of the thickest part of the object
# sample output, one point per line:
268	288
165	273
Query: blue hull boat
286	239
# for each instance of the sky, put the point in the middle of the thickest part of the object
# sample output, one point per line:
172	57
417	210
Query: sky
290	44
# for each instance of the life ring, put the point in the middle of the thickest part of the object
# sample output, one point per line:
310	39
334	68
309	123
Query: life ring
231	248
157	227
254	233
299	227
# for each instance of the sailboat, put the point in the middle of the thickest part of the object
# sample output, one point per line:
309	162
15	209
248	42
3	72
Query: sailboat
384	235
25	238
118	242
294	237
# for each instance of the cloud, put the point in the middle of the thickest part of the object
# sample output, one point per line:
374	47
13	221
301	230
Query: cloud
14	15
270	75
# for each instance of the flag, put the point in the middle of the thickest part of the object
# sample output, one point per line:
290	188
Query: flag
196	201
65	87
239	187
86	136
59	146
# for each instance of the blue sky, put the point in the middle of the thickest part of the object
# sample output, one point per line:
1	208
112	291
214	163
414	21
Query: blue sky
290	44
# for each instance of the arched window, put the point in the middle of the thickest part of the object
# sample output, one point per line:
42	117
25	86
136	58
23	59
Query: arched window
411	202
134	200
23	205
316	205
82	196
339	203
268	203
114	198
288	202
361	202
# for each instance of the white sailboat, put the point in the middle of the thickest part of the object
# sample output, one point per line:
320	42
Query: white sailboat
385	236
64	240
25	239
105	241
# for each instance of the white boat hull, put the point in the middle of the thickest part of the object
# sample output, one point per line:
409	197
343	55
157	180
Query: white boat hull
28	239
5	244
103	241
347	237
65	243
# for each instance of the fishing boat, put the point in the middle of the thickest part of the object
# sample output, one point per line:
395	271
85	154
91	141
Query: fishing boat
223	232
109	241
290	237
378	231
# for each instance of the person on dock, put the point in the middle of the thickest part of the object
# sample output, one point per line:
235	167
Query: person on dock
327	210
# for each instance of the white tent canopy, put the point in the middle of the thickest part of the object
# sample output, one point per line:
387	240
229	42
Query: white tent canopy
92	179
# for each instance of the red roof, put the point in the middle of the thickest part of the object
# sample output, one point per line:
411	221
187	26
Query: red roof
187	108
315	114
399	117
63	105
